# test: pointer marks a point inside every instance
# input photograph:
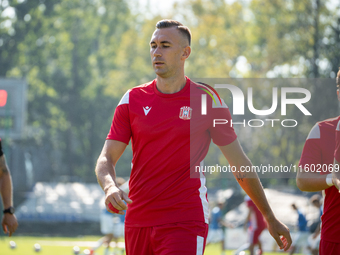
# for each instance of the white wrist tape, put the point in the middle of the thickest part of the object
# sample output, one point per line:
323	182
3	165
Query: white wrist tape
329	180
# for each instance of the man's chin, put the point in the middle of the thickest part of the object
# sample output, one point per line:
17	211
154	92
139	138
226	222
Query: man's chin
161	72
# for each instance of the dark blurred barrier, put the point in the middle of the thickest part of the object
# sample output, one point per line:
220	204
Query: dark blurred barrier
69	229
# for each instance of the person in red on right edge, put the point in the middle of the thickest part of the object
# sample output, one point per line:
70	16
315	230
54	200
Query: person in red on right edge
319	149
334	248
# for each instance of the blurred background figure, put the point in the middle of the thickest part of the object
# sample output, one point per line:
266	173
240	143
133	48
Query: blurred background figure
255	224
111	226
300	238
9	221
217	226
315	228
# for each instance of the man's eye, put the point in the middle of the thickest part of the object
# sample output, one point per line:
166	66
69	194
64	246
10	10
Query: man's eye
153	46
166	46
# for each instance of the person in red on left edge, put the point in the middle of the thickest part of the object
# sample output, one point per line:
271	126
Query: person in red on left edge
167	209
9	221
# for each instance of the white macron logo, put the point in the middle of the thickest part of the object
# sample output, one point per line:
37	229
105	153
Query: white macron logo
146	110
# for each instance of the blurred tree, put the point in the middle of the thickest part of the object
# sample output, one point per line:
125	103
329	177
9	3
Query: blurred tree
219	37
297	34
66	50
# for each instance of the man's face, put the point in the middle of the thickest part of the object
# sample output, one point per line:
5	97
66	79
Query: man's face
168	50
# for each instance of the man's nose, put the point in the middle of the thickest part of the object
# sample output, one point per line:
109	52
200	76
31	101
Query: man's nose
157	52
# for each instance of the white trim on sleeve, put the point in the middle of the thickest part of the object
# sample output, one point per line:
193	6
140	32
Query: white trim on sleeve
314	133
125	98
338	126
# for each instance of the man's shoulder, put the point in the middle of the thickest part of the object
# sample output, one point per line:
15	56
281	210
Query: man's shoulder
200	87
213	98
328	126
196	84
137	92
142	88
328	123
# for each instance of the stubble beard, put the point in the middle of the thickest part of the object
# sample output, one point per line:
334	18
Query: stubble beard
162	72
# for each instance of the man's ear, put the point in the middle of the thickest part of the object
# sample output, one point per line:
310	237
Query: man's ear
186	52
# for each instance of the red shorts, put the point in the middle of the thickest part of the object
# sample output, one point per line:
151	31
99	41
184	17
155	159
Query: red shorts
182	238
254	235
329	248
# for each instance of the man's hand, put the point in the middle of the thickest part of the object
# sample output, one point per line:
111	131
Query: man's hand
106	174
9	223
336	180
280	233
336	175
116	197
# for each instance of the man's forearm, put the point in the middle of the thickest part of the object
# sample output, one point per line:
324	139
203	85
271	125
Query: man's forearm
6	190
106	176
311	182
251	184
248	180
105	172
5	184
105	168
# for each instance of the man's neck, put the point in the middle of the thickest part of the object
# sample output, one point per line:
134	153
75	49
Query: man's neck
170	85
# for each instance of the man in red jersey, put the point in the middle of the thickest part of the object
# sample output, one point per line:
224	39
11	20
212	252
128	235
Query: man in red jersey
335	247
9	221
167	209
318	153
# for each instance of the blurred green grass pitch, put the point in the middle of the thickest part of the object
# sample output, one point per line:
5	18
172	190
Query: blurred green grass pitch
25	246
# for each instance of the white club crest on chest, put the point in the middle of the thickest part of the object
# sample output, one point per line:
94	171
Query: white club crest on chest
185	113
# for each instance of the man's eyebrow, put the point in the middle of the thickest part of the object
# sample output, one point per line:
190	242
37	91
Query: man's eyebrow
162	42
